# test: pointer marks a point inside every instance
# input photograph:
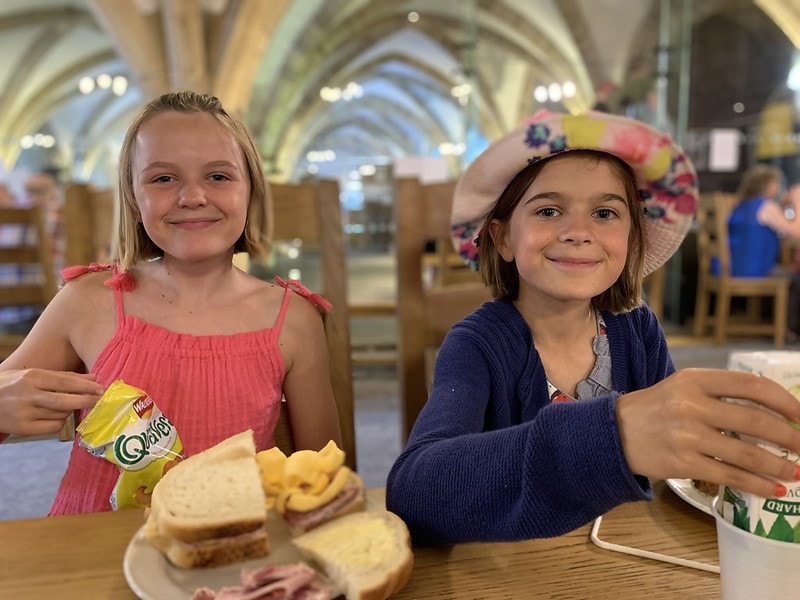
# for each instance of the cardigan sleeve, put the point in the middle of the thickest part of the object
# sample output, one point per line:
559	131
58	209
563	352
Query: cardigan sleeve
490	458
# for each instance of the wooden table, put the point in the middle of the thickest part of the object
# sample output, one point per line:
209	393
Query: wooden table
81	557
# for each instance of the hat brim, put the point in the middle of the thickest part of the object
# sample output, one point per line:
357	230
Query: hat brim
666	179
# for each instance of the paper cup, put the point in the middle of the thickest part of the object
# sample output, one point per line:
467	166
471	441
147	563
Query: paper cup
753	567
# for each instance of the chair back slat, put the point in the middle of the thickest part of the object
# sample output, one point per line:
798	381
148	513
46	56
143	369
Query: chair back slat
89	221
312	212
427	306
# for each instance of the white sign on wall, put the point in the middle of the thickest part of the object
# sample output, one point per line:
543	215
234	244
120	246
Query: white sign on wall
723	150
427	169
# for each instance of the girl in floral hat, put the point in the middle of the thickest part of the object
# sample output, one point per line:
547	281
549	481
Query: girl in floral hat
558	400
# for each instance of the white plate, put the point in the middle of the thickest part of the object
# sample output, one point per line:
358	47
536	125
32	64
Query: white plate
686	491
152	577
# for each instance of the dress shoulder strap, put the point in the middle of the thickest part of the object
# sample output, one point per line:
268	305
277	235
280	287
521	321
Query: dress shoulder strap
73	272
301	290
120	281
292	285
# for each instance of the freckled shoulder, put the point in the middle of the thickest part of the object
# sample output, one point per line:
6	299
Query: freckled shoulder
87	296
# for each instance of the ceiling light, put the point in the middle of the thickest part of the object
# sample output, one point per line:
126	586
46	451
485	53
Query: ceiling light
86	85
119	85
540	94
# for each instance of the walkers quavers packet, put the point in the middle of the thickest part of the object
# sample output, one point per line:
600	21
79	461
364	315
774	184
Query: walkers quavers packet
127	428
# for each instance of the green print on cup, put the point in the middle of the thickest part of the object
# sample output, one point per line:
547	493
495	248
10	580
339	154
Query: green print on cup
772	518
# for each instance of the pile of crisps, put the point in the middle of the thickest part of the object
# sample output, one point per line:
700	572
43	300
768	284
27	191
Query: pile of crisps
304	480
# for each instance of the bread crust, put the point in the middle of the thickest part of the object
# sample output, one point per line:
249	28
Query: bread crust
213	553
329	544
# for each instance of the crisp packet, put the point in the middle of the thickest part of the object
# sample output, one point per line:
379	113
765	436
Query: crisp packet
772	518
127	428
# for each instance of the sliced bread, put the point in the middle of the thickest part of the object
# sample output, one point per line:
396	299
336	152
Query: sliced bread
213	494
366	554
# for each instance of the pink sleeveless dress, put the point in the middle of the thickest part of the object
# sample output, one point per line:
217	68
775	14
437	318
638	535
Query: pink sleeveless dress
210	387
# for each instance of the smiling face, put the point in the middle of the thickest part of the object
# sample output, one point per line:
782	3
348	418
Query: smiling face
568	235
191	185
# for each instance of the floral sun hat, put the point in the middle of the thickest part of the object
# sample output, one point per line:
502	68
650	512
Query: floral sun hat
666	179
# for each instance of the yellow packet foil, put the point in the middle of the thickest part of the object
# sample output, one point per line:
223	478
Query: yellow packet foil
127	428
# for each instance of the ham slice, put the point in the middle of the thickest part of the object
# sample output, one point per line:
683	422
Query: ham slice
272	582
303	521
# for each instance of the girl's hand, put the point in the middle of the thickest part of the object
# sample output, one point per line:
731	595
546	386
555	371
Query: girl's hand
674	429
37	401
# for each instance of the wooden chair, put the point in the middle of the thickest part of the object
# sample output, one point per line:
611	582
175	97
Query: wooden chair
312	213
89	220
427	312
712	243
26	255
654	286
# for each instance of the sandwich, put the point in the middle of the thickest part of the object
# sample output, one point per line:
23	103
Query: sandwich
308	488
209	509
366	555
360	556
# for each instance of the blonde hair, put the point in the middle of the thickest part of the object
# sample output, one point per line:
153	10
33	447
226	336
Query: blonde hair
503	278
133	243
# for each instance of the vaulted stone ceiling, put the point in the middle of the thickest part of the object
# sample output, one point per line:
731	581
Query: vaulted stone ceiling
268	62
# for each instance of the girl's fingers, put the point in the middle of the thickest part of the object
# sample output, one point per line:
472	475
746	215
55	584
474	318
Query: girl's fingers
748	458
739	479
748	386
67	382
54	404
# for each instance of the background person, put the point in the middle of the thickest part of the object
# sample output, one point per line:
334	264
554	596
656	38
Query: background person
756	226
42	188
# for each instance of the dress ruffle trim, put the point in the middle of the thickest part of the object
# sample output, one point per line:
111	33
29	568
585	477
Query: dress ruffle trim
299	289
121	280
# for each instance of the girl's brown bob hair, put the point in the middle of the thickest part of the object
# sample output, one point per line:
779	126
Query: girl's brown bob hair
133	243
503	278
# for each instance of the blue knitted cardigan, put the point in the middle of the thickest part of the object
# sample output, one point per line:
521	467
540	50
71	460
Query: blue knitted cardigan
490	458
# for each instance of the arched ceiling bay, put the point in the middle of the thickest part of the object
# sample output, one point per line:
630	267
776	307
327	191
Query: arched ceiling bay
268	62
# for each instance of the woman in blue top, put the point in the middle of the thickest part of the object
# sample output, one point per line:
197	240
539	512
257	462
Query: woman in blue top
557	401
755	228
